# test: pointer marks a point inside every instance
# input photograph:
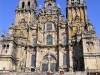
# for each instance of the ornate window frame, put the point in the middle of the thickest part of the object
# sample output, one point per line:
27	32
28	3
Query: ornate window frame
49	40
49	26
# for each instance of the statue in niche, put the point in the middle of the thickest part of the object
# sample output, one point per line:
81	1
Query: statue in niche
75	65
81	65
78	29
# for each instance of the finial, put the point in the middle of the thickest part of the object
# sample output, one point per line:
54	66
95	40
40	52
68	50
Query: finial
3	33
40	7
59	6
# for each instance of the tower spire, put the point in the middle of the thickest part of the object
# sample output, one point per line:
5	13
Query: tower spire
3	33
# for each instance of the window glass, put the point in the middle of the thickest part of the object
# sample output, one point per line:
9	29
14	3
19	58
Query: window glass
49	26
53	67
50	63
52	58
44	67
49	40
64	59
33	60
34	41
64	41
45	57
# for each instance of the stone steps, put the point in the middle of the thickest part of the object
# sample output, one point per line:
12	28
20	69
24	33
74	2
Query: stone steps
36	73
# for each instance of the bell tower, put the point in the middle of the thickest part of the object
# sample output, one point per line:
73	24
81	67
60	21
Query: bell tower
26	11
77	20
76	15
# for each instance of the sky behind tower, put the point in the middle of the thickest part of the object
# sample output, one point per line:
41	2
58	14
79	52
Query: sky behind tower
7	12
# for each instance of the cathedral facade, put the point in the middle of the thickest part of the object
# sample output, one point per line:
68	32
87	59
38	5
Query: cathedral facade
49	41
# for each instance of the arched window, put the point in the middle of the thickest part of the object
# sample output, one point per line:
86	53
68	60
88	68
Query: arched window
78	1
7	46
49	6
34	41
52	57
45	57
64	59
72	1
28	4
33	63
49	64
49	26
23	4
4	46
49	40
64	41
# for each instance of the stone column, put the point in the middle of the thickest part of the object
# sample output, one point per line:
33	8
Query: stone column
70	59
38	60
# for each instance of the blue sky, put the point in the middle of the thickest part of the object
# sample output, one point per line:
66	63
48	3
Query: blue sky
7	12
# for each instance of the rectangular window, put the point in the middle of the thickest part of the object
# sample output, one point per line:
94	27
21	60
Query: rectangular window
33	60
65	59
49	26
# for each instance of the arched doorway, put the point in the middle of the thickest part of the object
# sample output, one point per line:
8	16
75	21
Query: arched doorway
49	63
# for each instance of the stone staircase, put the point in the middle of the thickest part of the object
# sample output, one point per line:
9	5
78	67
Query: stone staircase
36	73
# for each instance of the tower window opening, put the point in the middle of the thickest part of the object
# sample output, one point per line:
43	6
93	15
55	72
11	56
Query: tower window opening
78	1
50	6
7	46
4	46
23	4
72	1
28	4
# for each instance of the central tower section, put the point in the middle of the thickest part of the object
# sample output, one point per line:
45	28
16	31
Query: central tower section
51	38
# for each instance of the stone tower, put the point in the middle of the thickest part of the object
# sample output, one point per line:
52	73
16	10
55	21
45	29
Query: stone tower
7	53
26	11
83	41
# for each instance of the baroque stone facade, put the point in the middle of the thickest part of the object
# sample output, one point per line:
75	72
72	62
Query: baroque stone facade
48	41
